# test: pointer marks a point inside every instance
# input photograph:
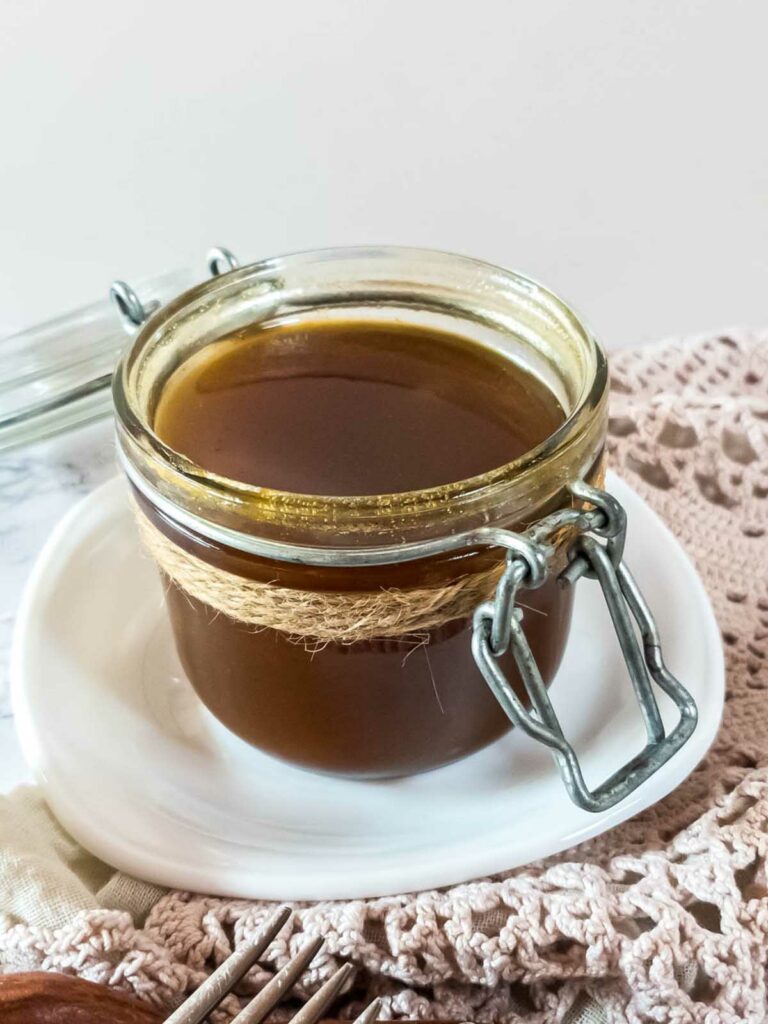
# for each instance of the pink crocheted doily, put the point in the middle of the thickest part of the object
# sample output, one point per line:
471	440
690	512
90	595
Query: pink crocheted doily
662	919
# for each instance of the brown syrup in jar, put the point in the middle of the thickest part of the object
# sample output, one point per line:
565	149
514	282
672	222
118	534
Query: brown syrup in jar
352	408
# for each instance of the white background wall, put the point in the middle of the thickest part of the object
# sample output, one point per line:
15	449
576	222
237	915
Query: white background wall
616	149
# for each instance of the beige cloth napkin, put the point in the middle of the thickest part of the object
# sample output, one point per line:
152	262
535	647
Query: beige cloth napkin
662	919
46	878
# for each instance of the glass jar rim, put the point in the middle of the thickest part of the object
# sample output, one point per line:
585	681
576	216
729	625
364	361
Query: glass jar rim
358	519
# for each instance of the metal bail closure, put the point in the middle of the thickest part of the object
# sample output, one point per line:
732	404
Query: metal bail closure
130	307
638	637
133	312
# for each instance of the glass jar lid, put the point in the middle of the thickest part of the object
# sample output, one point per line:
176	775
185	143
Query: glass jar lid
57	375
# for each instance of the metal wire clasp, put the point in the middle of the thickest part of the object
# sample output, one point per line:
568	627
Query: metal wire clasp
597	553
133	312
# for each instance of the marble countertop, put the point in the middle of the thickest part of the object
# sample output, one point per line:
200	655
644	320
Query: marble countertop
38	483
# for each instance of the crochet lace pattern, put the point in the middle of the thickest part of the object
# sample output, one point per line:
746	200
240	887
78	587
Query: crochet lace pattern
663	919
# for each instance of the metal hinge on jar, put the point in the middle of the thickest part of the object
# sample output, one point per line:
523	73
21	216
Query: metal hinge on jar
596	552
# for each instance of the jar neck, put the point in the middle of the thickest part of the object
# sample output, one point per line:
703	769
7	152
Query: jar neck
486	305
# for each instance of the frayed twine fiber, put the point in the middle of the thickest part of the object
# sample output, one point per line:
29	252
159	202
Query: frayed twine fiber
319	616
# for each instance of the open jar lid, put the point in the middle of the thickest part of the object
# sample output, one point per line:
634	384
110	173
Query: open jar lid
57	375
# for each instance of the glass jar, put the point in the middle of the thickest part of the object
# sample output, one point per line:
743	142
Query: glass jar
384	706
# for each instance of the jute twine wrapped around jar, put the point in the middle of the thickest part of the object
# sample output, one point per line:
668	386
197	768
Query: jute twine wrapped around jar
319	617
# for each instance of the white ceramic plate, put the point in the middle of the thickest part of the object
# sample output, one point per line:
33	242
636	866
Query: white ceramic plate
138	770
